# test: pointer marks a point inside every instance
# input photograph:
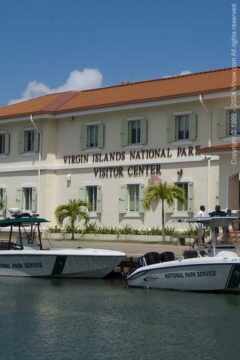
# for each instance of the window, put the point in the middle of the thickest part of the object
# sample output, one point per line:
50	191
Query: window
92	136
228	123
134	132
184	188
234	122
26	198
182	127
28	141
187	205
131	198
4	143
93	196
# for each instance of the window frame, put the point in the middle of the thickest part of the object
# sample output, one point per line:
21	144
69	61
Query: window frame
134	132
182	121
133	198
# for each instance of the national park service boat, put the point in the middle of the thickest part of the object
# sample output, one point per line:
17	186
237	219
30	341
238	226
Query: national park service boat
26	256
217	270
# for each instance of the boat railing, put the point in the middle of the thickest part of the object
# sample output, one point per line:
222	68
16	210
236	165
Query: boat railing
223	233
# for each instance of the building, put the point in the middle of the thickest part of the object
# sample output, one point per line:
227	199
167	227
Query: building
105	145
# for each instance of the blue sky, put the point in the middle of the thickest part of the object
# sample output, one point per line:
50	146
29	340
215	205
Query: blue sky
47	45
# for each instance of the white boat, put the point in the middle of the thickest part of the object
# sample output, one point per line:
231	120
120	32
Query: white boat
217	270
26	256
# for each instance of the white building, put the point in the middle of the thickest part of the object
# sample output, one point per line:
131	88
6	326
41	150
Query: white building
104	145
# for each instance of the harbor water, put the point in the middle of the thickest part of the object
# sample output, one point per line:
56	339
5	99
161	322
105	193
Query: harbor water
103	319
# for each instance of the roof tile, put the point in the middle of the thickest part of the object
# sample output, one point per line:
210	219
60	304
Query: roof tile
151	90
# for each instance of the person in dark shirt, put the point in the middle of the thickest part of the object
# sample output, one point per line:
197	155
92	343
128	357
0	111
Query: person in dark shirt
217	212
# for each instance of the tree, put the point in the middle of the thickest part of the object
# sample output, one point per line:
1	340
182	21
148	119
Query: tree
73	210
162	192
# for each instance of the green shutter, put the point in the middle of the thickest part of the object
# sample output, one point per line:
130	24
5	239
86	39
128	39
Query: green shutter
99	199
123	199
19	198
100	135
83	137
34	199
222	123
7	143
192	126
82	193
36	141
141	198
143	135
171	129
124	133
4	199
21	142
190	197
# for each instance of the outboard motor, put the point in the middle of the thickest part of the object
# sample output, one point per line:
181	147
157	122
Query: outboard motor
167	256
149	259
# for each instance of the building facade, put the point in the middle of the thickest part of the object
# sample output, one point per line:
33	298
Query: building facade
106	145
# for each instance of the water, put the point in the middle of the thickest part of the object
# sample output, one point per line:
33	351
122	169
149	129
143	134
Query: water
99	320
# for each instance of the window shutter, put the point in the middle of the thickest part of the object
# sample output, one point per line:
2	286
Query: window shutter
19	198
222	123
36	141
99	199
192	126
34	199
21	142
4	199
190	197
83	137
123	199
100	135
141	198
124	133
143	134
82	193
171	129
7	143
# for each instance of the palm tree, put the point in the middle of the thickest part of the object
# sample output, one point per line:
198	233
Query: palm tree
72	210
162	192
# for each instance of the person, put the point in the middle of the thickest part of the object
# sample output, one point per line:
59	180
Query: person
217	212
201	212
201	229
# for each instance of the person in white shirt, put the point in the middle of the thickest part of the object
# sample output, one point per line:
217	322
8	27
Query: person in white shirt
201	229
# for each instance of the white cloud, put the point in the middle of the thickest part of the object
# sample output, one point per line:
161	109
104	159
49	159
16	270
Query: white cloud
184	72
77	80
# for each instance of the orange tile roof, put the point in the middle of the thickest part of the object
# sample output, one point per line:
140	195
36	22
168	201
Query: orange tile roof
216	149
151	90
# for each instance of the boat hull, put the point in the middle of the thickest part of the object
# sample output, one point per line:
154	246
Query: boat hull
189	275
87	263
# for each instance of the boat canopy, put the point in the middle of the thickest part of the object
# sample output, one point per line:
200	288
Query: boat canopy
18	221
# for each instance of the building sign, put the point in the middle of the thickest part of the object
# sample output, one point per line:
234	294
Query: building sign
121	156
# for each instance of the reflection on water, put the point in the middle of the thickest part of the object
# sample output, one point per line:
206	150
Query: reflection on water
97	319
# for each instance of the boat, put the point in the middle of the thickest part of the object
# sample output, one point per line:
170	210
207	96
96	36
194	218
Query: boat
216	268
25	256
